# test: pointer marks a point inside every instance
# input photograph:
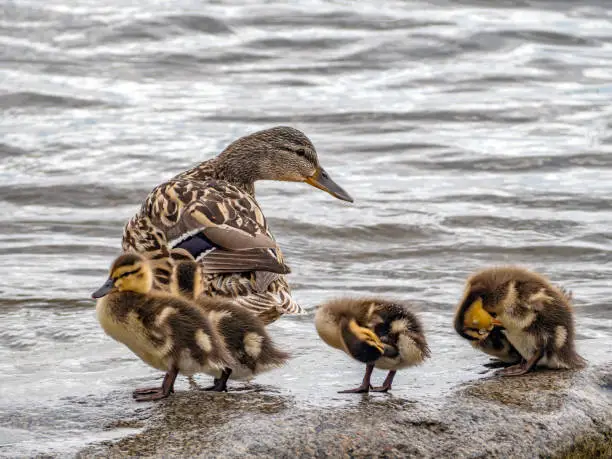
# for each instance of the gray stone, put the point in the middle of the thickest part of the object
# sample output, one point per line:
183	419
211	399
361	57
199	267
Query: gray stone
539	414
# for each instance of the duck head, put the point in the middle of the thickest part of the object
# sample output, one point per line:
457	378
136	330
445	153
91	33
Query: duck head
281	153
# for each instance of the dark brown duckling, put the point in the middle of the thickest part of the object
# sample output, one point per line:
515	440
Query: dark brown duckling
537	316
242	332
380	333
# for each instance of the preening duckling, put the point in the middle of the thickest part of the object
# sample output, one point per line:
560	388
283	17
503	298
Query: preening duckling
243	333
168	333
484	332
537	316
380	333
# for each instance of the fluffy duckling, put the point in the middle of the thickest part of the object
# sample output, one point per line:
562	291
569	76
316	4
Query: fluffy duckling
168	333
536	316
242	332
473	323
380	333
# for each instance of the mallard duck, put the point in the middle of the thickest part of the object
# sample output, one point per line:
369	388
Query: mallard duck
485	333
209	214
242	332
380	333
536	316
175	335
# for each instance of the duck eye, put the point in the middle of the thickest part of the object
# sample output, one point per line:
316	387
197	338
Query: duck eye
300	152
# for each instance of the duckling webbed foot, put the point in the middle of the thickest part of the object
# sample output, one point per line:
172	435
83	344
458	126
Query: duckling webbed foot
498	364
521	368
220	384
365	384
357	390
157	393
514	370
146	390
386	386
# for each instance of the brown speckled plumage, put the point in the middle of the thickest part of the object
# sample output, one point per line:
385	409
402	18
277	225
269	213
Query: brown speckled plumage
212	207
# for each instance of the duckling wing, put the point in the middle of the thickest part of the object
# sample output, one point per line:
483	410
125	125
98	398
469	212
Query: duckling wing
218	224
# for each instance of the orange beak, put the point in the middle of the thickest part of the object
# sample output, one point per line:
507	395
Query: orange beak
321	180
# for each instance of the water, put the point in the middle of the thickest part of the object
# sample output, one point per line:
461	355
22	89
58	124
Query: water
468	134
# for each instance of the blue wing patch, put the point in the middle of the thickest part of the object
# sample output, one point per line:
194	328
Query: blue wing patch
196	245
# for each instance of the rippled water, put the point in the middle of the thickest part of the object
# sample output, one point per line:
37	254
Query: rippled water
468	134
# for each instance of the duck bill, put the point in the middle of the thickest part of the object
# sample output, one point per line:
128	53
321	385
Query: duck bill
361	343
472	322
323	181
104	290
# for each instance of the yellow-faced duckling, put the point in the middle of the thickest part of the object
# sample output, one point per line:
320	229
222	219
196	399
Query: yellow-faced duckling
243	333
209	213
473	323
380	333
536	316
168	333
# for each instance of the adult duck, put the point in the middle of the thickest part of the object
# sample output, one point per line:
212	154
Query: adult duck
209	213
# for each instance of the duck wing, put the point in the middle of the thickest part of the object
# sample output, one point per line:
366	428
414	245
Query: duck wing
219	225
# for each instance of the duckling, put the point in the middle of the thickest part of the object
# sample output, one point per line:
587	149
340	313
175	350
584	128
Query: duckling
168	333
378	332
484	332
242	332
209	213
537	316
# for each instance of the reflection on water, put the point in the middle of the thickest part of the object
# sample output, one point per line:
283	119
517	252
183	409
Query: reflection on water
468	134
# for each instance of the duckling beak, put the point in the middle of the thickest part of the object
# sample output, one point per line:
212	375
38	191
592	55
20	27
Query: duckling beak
323	181
107	287
475	334
497	322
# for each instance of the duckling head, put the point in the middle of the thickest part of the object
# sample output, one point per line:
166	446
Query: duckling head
130	272
361	343
483	299
281	153
477	322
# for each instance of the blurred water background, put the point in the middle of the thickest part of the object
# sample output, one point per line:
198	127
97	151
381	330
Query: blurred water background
470	133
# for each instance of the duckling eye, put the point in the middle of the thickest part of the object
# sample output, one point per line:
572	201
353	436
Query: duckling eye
128	273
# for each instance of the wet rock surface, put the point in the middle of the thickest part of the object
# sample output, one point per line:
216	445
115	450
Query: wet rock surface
540	414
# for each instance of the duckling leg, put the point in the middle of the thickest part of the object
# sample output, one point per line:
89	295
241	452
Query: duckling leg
152	390
386	384
365	384
157	393
523	367
220	385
